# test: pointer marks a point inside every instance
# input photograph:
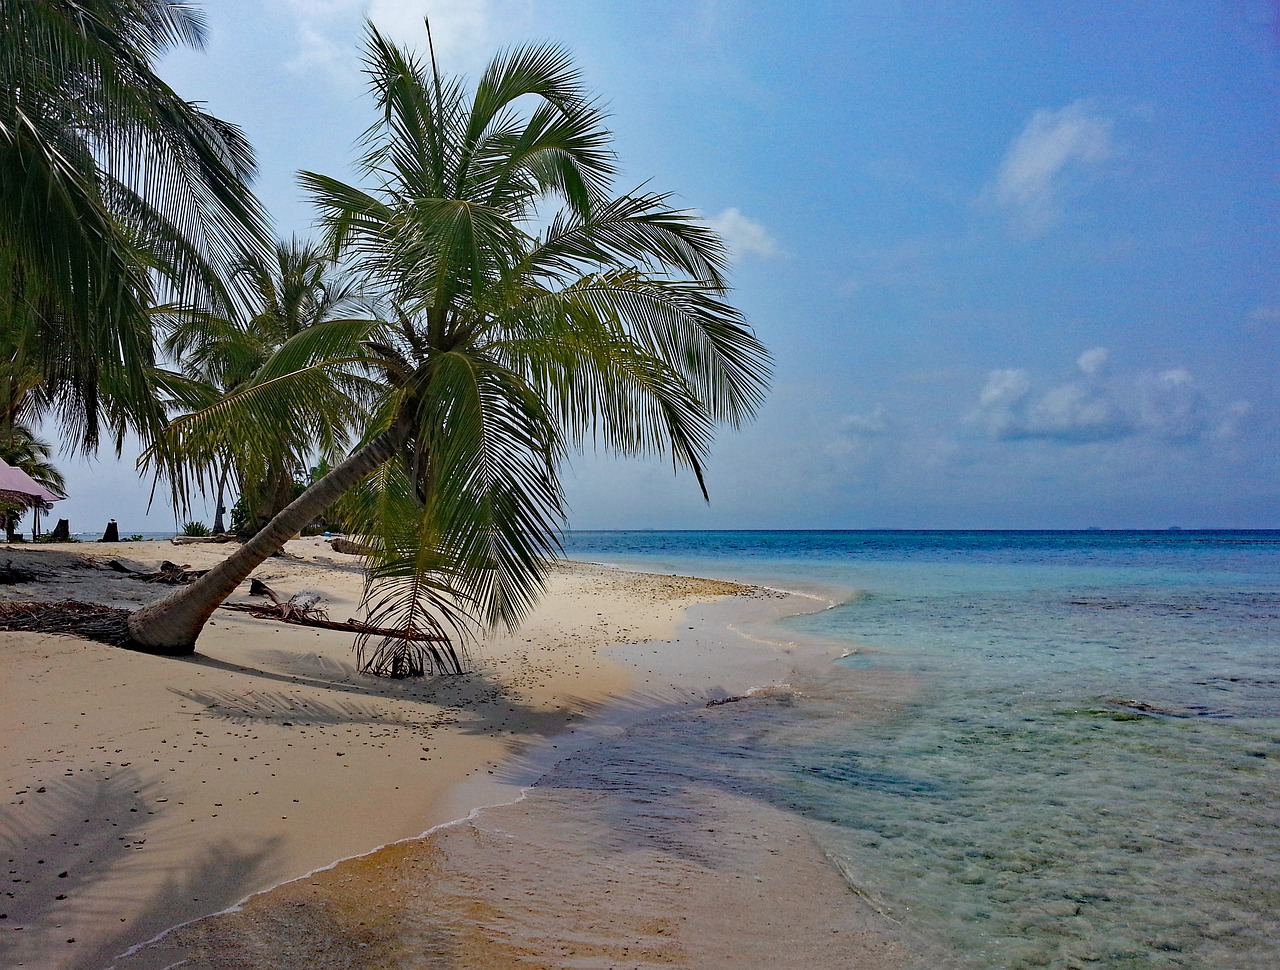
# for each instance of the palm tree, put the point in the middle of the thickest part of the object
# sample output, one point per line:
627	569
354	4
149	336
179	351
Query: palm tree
20	400
114	193
505	346
293	290
21	448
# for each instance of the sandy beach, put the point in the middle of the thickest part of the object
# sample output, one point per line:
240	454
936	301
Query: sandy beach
142	793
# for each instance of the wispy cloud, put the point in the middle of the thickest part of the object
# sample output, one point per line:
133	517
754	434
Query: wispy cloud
465	33
1167	405
318	54
866	425
1093	360
1046	161
323	32
744	236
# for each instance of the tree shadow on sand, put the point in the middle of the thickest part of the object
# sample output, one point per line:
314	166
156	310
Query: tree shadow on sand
312	690
592	869
218	880
57	879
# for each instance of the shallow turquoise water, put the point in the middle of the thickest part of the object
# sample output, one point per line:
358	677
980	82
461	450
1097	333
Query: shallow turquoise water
1086	773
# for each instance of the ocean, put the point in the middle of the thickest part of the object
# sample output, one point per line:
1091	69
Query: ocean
1080	765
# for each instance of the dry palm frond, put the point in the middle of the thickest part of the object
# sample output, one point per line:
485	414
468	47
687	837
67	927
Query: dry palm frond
92	621
409	652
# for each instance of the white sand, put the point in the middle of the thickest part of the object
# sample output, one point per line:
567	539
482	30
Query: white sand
140	792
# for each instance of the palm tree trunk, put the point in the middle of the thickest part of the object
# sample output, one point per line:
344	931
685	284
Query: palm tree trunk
218	526
170	626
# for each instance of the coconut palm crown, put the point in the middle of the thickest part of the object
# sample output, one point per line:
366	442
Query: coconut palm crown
296	287
114	193
504	345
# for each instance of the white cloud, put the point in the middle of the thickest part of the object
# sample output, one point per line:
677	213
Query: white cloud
744	236
1231	419
856	438
325	32
465	33
1092	360
318	53
868	425
325	8
1046	160
1004	388
1071	412
1167	406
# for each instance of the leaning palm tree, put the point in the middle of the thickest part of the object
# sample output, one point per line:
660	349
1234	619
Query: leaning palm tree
295	288
505	346
114	194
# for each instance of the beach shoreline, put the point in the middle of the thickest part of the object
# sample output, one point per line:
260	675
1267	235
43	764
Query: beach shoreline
483	739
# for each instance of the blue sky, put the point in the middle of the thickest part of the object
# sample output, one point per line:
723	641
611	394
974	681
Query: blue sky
1017	262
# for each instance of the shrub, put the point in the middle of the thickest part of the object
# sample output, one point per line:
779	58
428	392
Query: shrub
195	529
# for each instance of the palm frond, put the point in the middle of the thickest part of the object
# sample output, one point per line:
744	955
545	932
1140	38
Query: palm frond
501	350
113	191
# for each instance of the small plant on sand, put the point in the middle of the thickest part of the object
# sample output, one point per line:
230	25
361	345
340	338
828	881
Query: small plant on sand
195	529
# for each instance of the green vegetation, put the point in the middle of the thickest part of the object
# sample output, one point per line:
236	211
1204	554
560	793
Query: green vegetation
195	529
483	352
49	537
292	290
115	195
20	447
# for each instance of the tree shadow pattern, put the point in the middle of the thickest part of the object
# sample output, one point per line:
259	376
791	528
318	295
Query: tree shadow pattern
55	881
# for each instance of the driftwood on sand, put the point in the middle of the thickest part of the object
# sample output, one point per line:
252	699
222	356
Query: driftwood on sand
266	612
304	604
349	547
382	651
169	573
188	540
305	608
409	651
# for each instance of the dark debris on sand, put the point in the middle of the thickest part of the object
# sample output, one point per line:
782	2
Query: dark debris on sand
104	624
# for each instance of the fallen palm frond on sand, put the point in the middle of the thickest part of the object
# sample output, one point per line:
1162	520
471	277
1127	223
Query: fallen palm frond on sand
92	621
169	573
395	653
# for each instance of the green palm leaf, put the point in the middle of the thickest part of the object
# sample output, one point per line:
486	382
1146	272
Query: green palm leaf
499	350
610	328
114	192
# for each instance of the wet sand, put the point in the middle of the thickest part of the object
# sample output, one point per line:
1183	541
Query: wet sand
564	878
141	793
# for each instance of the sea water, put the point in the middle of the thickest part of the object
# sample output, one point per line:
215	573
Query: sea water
1086	769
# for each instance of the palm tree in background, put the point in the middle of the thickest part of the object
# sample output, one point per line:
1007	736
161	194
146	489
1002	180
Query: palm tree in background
504	346
114	194
296	287
21	448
